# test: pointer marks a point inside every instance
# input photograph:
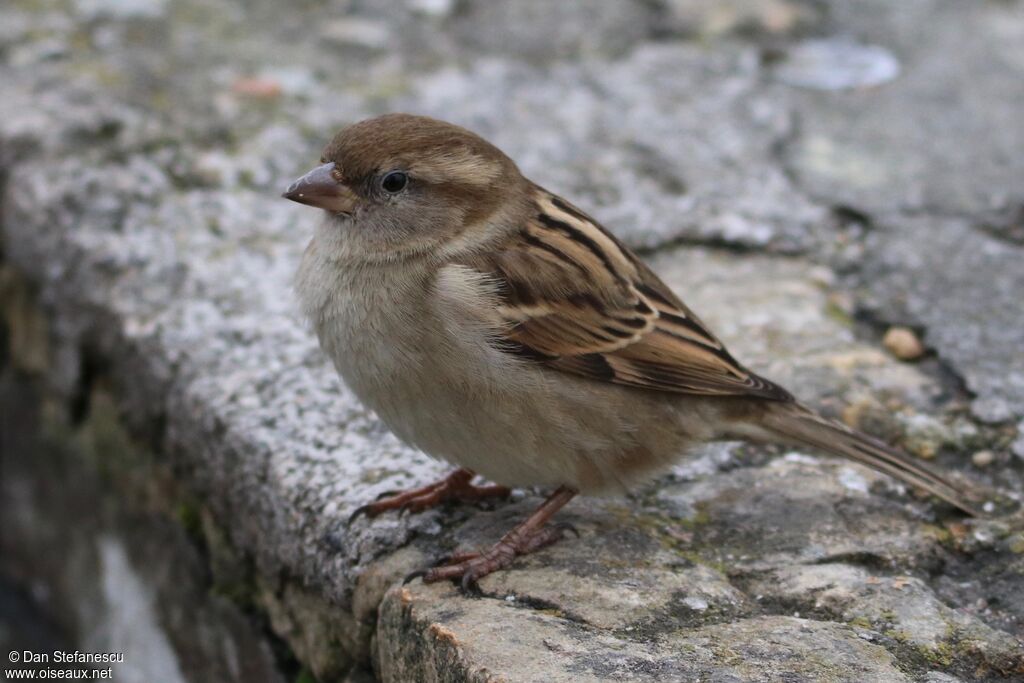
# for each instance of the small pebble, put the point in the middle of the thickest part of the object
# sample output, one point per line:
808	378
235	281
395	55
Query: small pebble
352	31
837	64
983	458
903	343
437	8
257	88
1016	544
695	603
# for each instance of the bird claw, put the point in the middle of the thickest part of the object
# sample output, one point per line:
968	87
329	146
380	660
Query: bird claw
359	511
456	486
412	576
467	568
469	586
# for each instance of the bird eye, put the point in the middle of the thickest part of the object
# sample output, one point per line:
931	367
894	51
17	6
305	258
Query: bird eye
394	181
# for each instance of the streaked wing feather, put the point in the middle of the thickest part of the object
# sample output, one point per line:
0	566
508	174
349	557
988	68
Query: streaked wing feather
576	299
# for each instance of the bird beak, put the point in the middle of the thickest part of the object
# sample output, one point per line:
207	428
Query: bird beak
321	189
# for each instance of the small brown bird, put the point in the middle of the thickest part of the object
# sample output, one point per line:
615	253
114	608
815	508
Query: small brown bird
495	325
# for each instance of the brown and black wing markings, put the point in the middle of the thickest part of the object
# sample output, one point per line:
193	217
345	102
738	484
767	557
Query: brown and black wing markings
576	299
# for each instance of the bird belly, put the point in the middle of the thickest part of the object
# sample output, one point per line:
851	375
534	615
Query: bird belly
451	394
506	419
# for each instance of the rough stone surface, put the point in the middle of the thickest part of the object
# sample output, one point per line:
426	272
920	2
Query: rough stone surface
805	174
460	643
943	136
913	268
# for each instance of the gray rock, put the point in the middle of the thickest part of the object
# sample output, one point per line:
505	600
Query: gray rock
145	290
761	18
903	608
962	286
543	31
91	10
938	138
118	577
939	677
426	640
837	64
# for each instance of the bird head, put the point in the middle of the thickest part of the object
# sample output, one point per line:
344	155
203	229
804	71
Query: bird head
400	184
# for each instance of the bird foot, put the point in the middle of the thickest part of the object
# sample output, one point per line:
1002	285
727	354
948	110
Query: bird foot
525	538
456	486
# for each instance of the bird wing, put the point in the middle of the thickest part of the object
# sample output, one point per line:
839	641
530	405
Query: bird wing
572	297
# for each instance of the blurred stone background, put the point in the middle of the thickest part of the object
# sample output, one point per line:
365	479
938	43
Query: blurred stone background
837	187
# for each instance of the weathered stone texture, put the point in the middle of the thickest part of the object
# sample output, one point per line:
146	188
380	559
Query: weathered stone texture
805	174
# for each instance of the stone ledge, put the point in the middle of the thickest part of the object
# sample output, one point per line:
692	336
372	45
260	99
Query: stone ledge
152	313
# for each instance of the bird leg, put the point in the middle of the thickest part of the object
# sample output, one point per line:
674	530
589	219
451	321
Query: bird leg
524	538
455	486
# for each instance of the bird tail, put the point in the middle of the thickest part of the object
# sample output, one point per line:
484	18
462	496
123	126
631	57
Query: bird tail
796	423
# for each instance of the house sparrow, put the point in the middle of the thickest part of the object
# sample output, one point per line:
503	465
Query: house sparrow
491	323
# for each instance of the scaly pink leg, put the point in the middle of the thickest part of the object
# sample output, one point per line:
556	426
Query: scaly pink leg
455	486
526	537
